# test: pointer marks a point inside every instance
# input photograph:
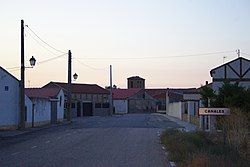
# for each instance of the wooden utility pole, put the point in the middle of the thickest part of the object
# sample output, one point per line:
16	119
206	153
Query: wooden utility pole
69	87
111	94
22	97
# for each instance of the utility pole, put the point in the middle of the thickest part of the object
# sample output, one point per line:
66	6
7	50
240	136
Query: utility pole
238	52
22	97
111	94
69	87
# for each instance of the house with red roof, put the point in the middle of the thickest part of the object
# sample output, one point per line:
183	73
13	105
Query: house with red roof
133	100
87	99
47	105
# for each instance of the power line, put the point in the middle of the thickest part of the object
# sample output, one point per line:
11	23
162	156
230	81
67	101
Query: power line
44	41
38	63
181	56
50	59
10	68
39	43
86	65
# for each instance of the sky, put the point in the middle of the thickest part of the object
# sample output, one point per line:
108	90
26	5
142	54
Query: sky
163	41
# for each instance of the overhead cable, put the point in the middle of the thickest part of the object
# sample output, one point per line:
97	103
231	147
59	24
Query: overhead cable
44	41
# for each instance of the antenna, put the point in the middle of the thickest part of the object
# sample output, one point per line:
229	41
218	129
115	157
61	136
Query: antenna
238	52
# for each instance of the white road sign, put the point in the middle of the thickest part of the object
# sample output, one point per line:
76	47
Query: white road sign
214	111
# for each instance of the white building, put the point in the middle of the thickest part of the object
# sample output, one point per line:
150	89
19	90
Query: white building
9	101
133	100
183	104
237	70
47	105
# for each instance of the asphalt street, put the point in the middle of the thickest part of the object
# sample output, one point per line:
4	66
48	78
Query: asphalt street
131	140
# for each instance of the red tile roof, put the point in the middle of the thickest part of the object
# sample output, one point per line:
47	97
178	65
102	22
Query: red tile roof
79	88
176	93
157	93
46	93
119	94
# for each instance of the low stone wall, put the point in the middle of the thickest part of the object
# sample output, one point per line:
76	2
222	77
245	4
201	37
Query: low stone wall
60	120
195	120
41	123
8	127
185	117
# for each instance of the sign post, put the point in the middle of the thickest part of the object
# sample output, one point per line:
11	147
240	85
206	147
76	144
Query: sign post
213	112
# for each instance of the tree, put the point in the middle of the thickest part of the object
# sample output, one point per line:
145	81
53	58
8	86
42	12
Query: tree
232	95
229	95
207	93
113	87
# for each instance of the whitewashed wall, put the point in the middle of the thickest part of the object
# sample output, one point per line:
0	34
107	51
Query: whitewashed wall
9	100
175	109
220	72
121	106
217	85
42	110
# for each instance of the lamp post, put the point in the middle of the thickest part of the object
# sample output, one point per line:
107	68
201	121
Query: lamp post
75	76
22	82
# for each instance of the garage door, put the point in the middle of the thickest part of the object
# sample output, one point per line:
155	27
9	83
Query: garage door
87	109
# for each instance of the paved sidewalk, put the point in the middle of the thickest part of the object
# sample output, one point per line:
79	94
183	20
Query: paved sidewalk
186	125
13	133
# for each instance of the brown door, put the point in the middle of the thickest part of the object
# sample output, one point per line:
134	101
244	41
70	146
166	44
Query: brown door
78	109
54	112
87	109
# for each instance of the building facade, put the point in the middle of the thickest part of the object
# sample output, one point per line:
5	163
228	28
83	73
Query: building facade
136	82
133	101
87	99
10	102
47	105
237	70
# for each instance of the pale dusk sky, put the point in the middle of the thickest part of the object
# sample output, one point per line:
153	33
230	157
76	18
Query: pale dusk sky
149	38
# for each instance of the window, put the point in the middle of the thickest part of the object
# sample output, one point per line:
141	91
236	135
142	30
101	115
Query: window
6	88
195	108
186	108
105	105
131	83
143	96
60	101
25	114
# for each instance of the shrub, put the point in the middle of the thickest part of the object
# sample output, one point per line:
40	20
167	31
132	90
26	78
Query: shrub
201	149
236	127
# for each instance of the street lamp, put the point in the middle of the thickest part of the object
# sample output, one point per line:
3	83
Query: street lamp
75	76
32	61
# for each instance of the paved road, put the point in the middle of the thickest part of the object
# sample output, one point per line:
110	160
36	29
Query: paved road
129	141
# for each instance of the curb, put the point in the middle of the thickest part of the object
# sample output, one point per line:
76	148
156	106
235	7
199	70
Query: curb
16	133
186	125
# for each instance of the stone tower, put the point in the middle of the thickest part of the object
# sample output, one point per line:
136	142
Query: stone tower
136	82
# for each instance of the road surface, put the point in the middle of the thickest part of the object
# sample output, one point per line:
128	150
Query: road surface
121	141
